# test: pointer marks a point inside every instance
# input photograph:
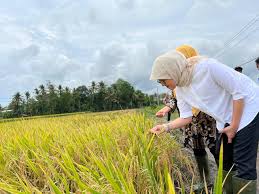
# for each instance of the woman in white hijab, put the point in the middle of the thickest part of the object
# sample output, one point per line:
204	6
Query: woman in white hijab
224	94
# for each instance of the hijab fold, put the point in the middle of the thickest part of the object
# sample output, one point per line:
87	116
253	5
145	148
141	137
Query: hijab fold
174	65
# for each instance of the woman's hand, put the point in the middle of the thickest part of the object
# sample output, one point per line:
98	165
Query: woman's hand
157	129
163	111
230	131
175	124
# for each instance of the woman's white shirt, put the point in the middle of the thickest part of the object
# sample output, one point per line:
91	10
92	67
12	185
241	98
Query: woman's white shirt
214	87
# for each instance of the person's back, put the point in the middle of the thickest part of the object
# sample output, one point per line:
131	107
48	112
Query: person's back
208	75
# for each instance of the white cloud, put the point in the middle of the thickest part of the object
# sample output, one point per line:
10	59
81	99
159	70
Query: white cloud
75	42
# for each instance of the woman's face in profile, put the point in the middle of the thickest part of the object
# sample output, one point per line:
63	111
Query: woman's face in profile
169	83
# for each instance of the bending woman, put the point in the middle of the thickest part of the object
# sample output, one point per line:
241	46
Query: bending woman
226	95
200	133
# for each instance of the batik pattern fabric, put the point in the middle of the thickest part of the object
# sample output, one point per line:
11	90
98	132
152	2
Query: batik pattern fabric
200	133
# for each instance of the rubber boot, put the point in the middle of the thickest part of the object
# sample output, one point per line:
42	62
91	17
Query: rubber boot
203	166
228	186
239	183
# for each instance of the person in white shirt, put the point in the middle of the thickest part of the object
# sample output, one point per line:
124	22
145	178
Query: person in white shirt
257	66
231	98
257	63
239	69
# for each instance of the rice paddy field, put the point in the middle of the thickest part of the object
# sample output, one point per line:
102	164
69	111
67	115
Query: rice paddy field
111	152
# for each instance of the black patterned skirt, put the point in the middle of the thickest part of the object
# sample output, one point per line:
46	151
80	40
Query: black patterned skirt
201	132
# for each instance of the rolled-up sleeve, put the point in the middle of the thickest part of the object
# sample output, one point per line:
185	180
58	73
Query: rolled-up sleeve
227	78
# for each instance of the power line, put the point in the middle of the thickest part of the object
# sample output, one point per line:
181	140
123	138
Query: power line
243	29
251	22
239	41
248	25
242	64
231	45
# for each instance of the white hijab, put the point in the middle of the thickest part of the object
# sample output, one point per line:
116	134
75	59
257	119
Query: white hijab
174	65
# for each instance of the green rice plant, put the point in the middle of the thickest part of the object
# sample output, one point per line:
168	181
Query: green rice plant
218	186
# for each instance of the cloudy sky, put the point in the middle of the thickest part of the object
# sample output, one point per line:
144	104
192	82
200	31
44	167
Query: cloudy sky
73	42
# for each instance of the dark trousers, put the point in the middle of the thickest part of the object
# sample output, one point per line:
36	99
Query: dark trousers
202	152
242	152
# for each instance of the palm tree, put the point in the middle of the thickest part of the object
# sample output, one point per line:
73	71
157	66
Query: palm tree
18	98
93	91
16	104
27	95
42	90
43	100
37	92
60	90
93	87
52	99
100	96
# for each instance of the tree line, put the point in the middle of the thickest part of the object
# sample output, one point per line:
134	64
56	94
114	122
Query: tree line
49	99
